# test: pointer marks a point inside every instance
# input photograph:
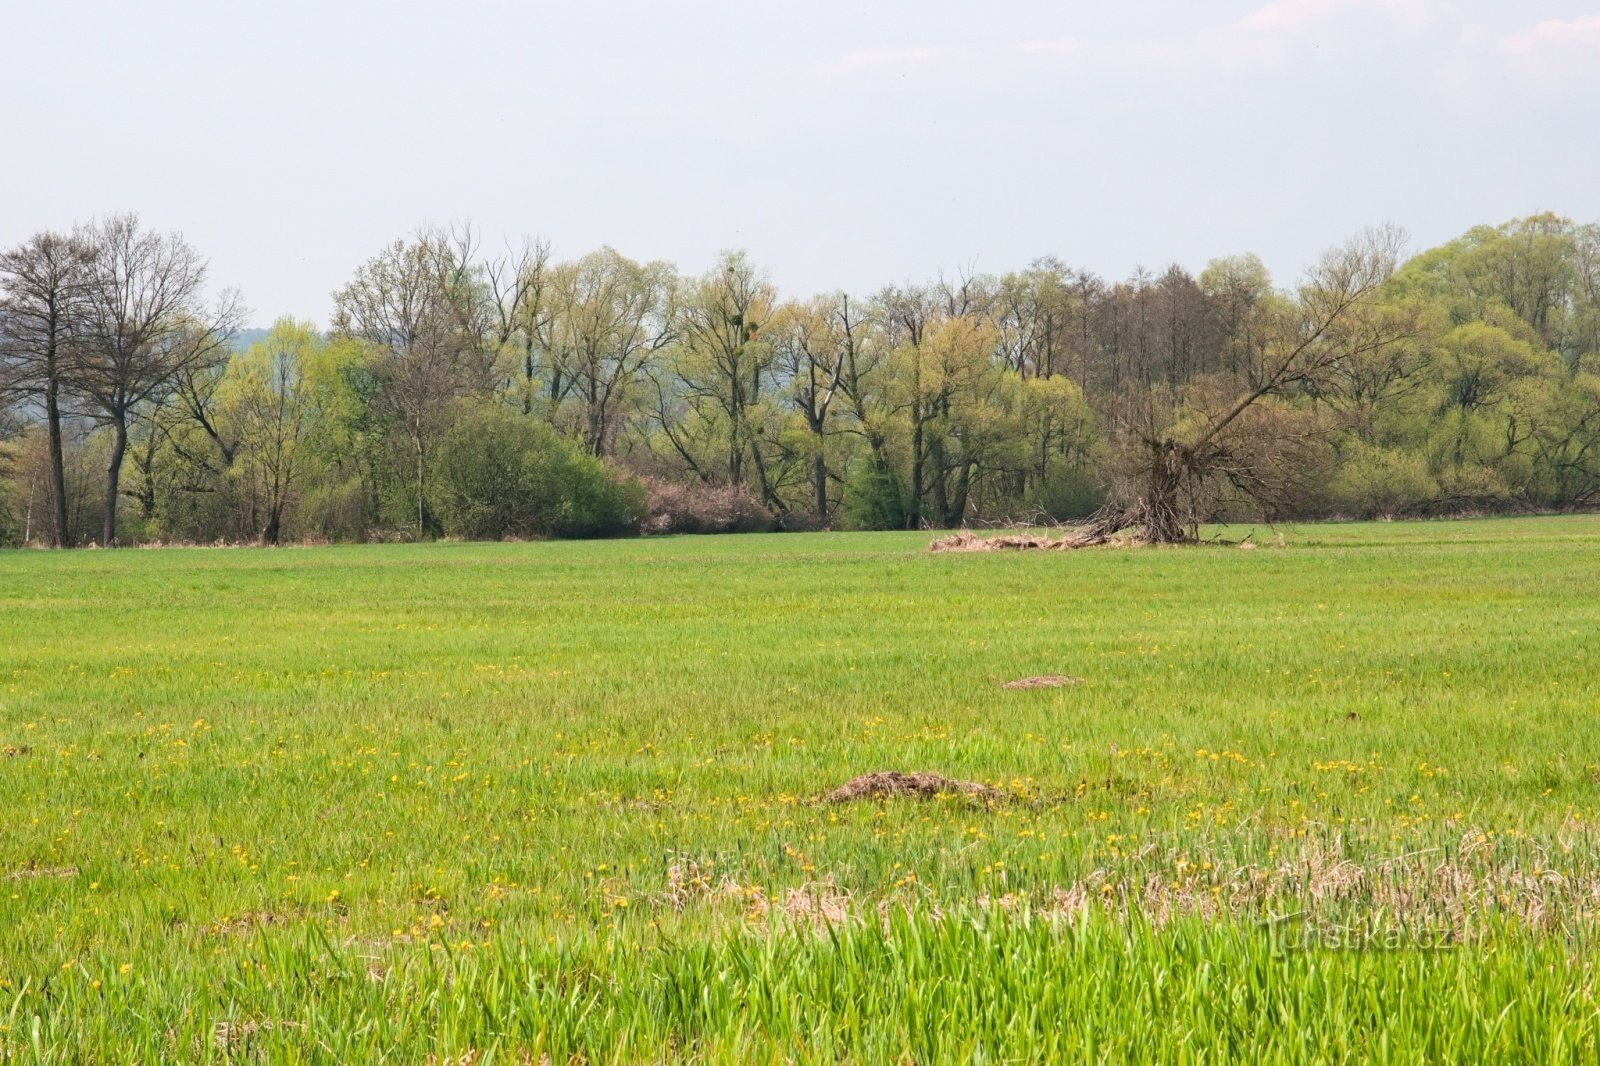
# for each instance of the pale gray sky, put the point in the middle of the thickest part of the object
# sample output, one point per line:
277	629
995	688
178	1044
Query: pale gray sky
844	144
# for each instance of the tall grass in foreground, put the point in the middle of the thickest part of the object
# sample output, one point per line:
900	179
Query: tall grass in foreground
913	988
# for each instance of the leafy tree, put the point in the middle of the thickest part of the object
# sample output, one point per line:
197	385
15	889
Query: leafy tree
609	317
720	375
945	381
267	399
814	342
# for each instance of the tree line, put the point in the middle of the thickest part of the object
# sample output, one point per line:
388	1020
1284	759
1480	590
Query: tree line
467	391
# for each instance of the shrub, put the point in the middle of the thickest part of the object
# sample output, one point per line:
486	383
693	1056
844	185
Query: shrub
336	510
701	508
498	474
873	498
1378	482
1070	492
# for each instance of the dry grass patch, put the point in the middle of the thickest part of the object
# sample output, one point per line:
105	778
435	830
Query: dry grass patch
31	871
1044	681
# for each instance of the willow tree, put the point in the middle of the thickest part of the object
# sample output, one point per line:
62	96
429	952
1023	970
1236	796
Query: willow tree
609	318
1249	428
815	340
267	397
723	370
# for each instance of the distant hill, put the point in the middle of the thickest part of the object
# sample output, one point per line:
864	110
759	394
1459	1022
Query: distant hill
244	338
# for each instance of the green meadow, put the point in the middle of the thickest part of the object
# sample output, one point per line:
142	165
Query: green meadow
1335	798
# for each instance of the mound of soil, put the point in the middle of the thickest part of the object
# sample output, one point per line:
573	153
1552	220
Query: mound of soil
1045	681
886	783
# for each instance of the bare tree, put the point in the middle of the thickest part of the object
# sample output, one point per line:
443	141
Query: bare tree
45	282
145	325
518	284
1179	445
420	309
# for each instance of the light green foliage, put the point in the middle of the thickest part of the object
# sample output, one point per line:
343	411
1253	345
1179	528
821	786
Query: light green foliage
267	397
501	474
720	370
1373	481
336	803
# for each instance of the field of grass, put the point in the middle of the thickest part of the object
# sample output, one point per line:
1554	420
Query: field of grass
1334	797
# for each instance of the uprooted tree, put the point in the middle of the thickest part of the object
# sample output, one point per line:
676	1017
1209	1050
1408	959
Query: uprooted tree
1179	449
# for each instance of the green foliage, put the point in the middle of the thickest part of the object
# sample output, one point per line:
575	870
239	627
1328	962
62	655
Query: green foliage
874	498
500	474
11	528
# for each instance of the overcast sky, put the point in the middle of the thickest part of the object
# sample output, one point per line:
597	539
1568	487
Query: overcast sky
844	145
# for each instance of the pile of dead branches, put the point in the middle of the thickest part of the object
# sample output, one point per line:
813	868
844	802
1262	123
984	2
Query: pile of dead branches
967	541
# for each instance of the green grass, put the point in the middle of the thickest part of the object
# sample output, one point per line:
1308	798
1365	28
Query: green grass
488	802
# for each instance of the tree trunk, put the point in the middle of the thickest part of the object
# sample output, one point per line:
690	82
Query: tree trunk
527	378
819	481
58	471
914	515
422	506
1159	509
956	508
735	447
1157	513
119	448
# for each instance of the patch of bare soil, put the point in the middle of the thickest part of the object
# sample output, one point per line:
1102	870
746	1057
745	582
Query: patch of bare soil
1044	681
887	783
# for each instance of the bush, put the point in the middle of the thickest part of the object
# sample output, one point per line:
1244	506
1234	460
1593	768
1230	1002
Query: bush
10	529
335	510
1475	487
701	508
1377	482
1070	492
498	474
873	498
